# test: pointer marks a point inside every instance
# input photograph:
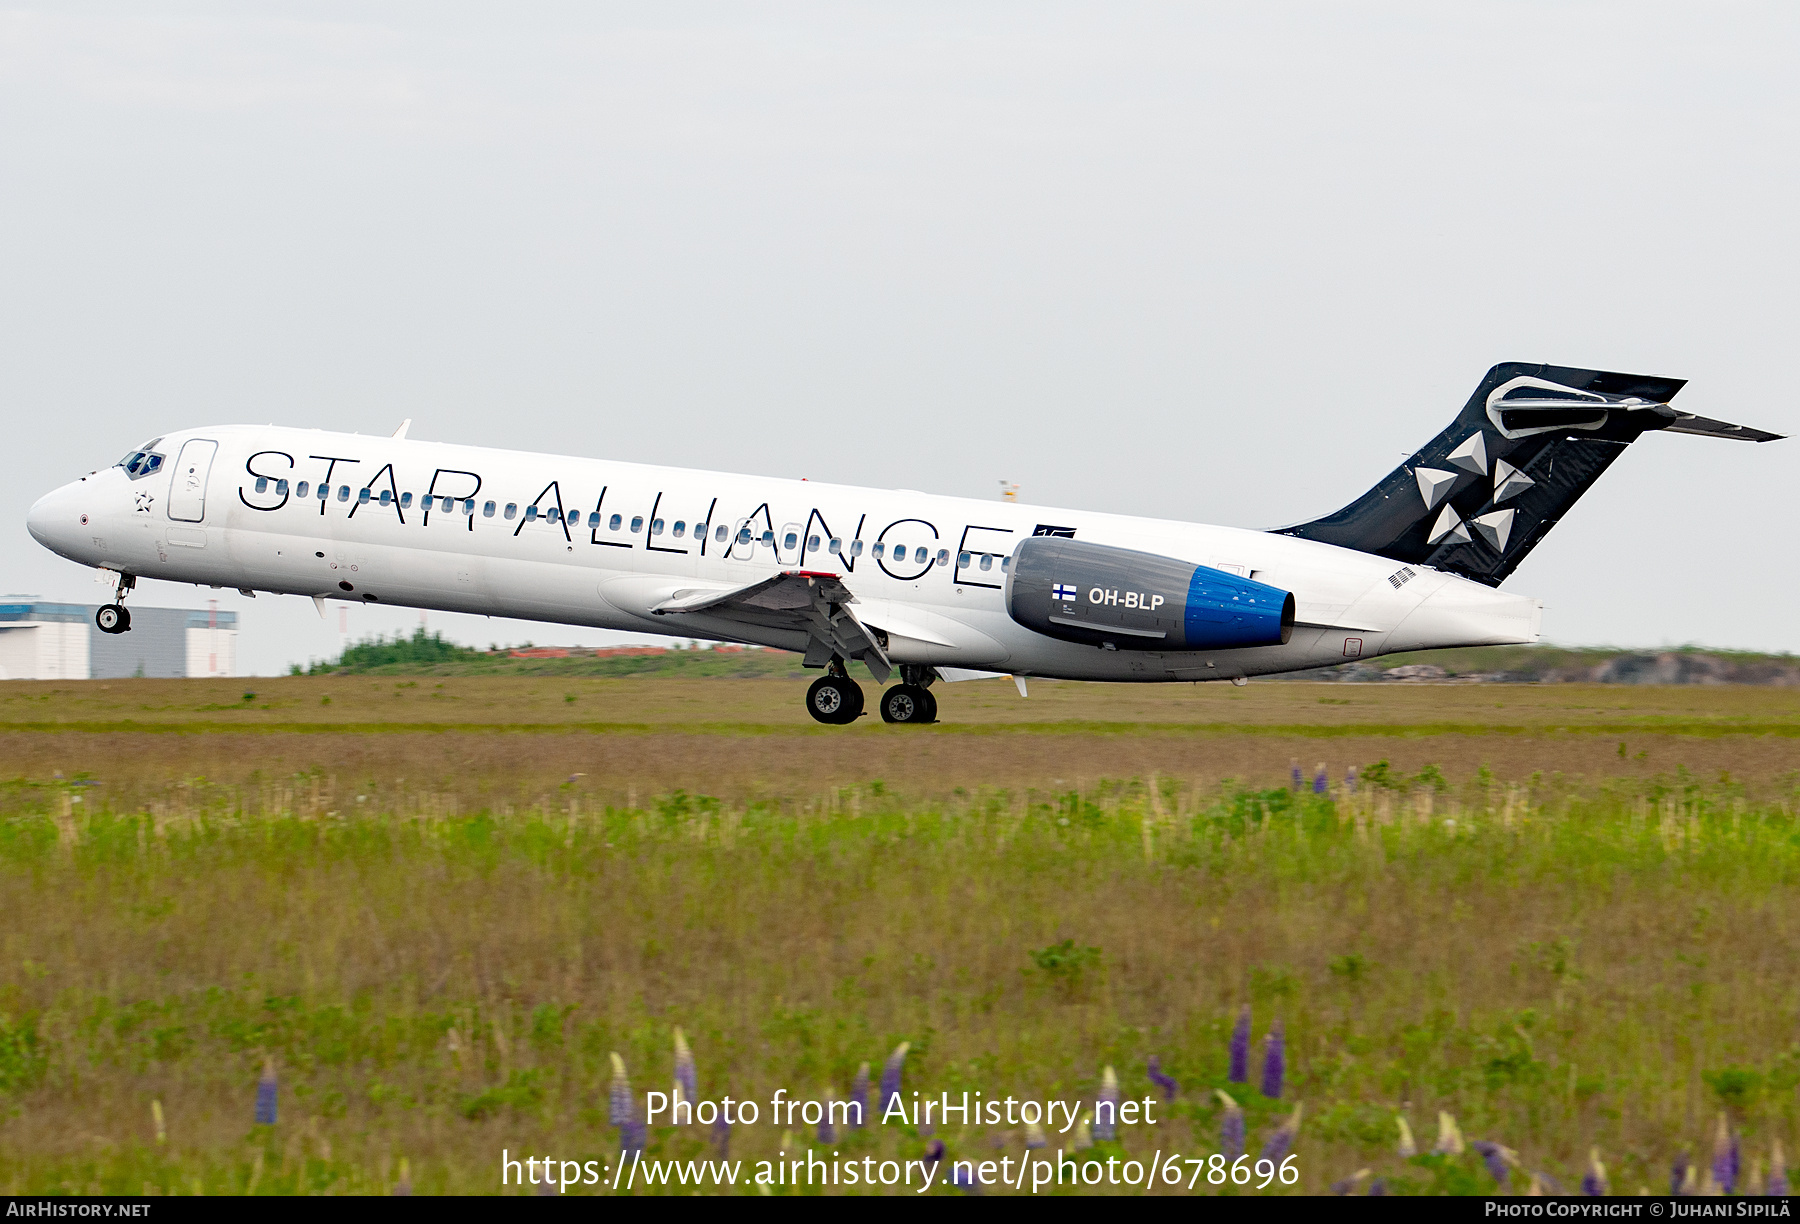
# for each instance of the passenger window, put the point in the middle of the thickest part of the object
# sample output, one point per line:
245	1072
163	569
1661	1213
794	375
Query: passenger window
812	542
768	539
943	556
343	493
656	526
681	529
1005	564
531	514
406	501
637	523
856	548
880	549
387	497
834	546
362	497
487	510
281	488
324	491
594	521
612	524
301	489
987	561
962	558
721	533
449	504
790	540
574	517
262	484
512	508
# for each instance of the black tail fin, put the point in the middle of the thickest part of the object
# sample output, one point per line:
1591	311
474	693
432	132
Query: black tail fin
1530	441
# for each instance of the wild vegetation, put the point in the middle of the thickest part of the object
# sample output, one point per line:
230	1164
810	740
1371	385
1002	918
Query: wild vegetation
433	940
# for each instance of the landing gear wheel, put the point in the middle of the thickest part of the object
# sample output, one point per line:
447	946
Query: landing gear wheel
113	618
835	700
908	703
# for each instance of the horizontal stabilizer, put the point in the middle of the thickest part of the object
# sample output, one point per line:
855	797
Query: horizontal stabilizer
1706	427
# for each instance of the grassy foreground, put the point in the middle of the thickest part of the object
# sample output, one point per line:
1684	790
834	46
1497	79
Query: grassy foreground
1556	971
1565	916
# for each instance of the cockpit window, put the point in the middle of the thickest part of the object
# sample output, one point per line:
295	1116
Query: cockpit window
141	463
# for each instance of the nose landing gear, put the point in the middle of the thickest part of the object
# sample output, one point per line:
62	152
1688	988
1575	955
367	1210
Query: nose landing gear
114	618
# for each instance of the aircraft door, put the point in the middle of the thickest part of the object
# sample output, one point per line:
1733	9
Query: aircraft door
187	495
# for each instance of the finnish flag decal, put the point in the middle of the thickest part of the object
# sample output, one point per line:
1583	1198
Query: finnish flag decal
1063	592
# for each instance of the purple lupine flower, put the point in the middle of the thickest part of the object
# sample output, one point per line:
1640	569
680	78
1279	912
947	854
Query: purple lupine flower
1106	1120
266	1093
1279	1144
1274	1063
687	1079
1321	779
934	1151
859	1097
1344	1187
1378	1188
631	1137
1778	1178
1678	1175
1726	1157
618	1111
1544	1183
1593	1182
963	1178
1240	1048
721	1137
1494	1156
1294	771
827	1131
1350	785
1231	1128
890	1075
1166	1083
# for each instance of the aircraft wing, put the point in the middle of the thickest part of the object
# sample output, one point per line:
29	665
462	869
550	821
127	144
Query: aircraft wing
816	604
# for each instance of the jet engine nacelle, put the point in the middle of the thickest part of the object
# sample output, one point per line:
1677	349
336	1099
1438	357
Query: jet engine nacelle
1121	599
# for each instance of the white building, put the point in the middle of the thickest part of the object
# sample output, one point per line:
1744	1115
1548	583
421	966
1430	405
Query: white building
44	641
49	641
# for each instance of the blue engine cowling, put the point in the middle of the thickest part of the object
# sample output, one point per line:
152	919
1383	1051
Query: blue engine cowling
1128	600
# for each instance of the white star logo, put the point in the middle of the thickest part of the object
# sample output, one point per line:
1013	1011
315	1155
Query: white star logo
144	502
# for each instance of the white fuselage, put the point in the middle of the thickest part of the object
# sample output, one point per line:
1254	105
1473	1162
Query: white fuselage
633	544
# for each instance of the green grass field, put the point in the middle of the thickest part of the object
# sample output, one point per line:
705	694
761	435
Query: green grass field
1563	915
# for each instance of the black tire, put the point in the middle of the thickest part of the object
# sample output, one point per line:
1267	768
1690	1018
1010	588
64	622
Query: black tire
834	700
110	619
124	619
930	705
907	703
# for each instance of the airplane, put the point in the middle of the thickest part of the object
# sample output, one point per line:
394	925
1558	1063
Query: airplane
932	588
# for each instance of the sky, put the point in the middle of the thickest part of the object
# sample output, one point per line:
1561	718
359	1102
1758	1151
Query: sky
1219	263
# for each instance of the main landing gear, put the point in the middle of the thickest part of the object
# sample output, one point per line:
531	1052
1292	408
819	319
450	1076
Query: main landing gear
114	618
836	699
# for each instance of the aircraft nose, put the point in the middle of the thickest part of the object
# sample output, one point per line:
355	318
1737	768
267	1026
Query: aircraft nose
53	519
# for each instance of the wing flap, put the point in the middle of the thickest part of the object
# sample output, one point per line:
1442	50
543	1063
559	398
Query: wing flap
813	603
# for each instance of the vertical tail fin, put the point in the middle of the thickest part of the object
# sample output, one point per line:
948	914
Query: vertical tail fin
1531	440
